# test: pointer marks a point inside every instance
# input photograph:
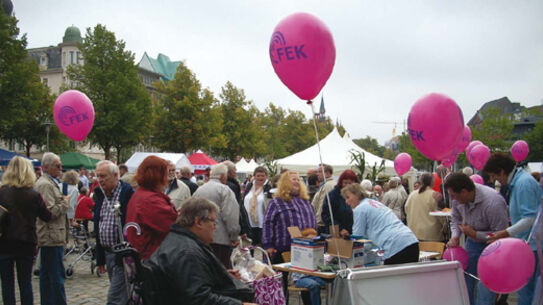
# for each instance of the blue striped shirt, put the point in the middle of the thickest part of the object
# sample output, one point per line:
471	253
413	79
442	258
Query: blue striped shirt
280	215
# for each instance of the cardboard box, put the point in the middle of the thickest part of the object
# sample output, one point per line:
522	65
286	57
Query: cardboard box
305	253
351	252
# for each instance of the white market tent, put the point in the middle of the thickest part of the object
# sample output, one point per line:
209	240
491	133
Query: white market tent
535	167
177	158
246	167
335	151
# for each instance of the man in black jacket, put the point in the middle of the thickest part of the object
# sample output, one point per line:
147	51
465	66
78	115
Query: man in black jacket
184	270
185	177
233	184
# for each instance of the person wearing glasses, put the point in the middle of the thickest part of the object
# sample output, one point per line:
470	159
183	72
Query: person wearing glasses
52	235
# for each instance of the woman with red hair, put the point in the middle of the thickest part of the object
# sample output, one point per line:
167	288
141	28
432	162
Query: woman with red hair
343	214
150	208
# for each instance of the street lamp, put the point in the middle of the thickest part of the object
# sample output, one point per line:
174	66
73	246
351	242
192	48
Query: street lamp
47	124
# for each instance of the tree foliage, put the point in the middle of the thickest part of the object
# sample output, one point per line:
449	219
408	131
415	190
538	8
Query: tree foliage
109	77
185	116
535	142
419	161
494	131
370	145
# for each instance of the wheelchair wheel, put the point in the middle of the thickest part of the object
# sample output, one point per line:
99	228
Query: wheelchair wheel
69	272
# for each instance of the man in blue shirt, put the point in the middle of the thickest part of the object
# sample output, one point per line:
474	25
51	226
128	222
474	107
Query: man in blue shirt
524	201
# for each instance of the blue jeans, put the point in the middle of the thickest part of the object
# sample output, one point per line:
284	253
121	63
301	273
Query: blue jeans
314	285
117	294
484	296
526	293
24	278
52	276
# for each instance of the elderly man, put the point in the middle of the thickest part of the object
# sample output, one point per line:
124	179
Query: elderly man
176	190
327	184
226	234
184	269
233	184
110	198
477	210
185	178
524	196
52	235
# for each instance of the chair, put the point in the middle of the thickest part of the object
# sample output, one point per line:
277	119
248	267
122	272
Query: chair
432	246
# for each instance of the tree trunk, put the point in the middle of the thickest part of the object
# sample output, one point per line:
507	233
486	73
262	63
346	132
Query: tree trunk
119	155
28	147
107	152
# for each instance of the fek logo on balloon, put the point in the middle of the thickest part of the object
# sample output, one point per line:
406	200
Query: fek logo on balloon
280	51
68	116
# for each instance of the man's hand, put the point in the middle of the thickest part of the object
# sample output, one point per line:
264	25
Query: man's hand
453	242
235	243
234	273
102	269
468	230
497	235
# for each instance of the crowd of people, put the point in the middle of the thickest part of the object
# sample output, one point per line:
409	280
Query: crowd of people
185	230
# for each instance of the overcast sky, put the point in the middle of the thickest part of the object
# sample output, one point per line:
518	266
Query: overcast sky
388	53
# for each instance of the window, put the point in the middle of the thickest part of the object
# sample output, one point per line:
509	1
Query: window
63	59
43	60
77	58
71	57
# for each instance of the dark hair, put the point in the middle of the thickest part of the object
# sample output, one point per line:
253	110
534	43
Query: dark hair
312	179
497	162
347	174
328	168
122	166
537	176
458	182
425	181
153	173
260	169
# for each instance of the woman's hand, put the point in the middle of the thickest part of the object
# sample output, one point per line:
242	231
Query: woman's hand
271	251
344	233
234	273
497	235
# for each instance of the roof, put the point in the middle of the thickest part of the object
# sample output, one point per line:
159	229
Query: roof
72	34
176	158
75	160
6	156
246	167
201	161
161	65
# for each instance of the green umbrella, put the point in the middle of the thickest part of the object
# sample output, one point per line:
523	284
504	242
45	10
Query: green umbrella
74	160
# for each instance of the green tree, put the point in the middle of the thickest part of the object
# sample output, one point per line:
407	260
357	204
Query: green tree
243	136
24	100
109	77
494	131
535	142
185	117
370	145
272	120
420	162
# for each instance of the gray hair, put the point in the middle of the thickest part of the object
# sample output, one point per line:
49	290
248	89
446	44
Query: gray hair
230	165
393	183
195	207
113	169
48	159
218	170
185	170
467	171
367	185
71	177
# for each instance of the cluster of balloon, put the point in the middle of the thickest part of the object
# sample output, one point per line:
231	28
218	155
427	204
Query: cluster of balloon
74	114
478	156
435	125
520	150
506	265
402	163
302	53
457	254
477	179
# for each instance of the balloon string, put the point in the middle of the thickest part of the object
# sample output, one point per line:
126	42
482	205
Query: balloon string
335	234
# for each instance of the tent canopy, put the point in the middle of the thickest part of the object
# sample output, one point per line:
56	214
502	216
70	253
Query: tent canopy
246	167
200	161
75	160
6	156
335	151
178	159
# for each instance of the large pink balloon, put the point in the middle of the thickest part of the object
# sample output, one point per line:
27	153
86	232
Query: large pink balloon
74	114
464	142
477	179
402	163
479	155
435	126
471	145
506	265
520	150
303	54
457	254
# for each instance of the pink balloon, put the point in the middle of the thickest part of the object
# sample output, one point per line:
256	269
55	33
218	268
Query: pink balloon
457	254
402	163
520	150
303	54
506	265
449	161
435	126
466	138
471	145
74	114
477	179
479	155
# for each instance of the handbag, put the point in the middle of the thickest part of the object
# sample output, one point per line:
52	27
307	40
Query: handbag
3	215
